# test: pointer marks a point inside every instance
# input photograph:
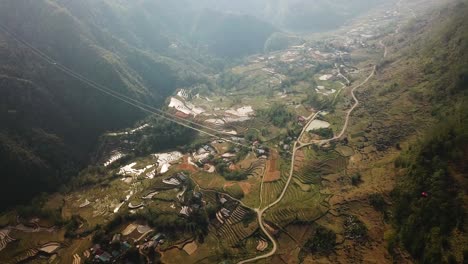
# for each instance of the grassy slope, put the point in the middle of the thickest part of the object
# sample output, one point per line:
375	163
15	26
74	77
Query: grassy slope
432	229
423	83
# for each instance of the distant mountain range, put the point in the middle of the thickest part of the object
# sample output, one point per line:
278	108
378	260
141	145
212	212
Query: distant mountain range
295	15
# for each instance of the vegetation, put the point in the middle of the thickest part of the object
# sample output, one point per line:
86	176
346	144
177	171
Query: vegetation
50	126
164	135
356	179
36	209
318	102
324	132
231	175
172	224
323	242
277	114
428	201
235	191
378	202
355	229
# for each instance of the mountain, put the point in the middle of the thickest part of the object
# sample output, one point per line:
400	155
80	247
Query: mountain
297	15
231	35
429	202
419	102
49	121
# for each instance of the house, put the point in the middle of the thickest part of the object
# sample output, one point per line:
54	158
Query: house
116	238
185	211
176	180
103	257
261	151
182	177
125	245
158	237
225	212
222	200
301	119
171	181
197	195
228	155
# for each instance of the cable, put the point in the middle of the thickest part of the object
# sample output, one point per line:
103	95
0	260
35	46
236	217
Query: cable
84	79
115	94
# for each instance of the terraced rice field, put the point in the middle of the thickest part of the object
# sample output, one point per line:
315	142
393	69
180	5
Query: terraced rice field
5	238
271	170
298	205
233	230
312	172
256	169
272	190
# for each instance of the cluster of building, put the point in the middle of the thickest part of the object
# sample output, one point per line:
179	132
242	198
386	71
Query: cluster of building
117	248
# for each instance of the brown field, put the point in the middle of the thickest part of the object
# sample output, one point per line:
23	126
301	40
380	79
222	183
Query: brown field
300	157
187	166
246	187
271	172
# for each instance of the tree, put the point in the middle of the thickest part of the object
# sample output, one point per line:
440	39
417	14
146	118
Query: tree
322	242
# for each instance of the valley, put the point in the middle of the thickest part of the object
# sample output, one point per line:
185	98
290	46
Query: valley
286	156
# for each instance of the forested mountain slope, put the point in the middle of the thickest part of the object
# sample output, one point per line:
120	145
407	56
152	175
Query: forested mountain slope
49	120
433	226
427	77
143	49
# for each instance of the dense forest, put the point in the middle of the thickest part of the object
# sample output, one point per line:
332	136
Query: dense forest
429	199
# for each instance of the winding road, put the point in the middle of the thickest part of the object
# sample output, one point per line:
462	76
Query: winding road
297	146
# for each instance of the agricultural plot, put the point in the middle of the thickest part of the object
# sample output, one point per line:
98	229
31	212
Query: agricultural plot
233	230
298	205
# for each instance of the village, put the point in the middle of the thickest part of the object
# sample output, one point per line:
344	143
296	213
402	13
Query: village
216	175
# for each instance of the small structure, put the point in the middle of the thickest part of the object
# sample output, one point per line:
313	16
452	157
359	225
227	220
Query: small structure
225	212
185	211
197	195
116	238
222	200
261	151
158	237
131	206
176	180
104	257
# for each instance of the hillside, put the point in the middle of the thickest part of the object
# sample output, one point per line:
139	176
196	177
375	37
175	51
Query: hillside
348	146
410	136
430	200
50	121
